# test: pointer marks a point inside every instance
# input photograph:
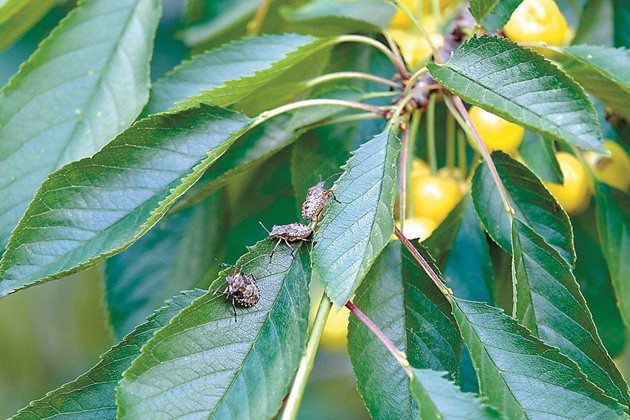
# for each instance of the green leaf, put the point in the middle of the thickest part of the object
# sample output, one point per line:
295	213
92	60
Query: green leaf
92	395
10	8
442	239
621	14
85	83
249	150
318	155
263	142
613	224
468	269
461	246
204	364
523	87
595	283
25	18
549	303
439	398
346	15
539	155
95	207
493	14
401	300
523	377
222	16
357	228
232	72
174	255
322	151
532	204
602	71
590	29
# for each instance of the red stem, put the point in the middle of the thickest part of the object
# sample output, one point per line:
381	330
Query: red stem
398	355
485	153
424	263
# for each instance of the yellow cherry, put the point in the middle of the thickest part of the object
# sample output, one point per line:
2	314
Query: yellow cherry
537	21
573	194
434	197
419	228
496	133
613	170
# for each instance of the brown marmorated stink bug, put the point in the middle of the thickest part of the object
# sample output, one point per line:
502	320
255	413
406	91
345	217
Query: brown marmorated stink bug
293	232
241	289
316	198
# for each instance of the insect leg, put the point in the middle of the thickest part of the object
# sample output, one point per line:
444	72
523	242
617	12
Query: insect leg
290	247
234	308
331	192
274	249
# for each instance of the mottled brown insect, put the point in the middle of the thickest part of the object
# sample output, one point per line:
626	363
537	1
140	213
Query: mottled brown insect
241	289
293	232
316	199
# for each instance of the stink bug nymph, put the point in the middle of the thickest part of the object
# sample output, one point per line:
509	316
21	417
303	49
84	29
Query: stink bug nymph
241	289
316	198
293	232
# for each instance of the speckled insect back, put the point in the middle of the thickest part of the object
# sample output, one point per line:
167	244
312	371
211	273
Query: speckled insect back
316	199
241	289
293	232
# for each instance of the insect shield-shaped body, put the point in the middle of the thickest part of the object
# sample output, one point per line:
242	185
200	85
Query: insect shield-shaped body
316	198
241	289
293	232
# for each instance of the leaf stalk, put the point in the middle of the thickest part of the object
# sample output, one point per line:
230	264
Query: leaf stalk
485	153
398	355
351	75
254	27
306	364
446	291
267	115
396	61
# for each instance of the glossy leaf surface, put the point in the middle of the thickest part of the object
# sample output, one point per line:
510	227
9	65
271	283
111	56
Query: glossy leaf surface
356	229
205	364
521	86
95	207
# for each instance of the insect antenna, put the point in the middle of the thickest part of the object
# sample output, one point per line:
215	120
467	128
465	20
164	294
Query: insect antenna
263	226
327	179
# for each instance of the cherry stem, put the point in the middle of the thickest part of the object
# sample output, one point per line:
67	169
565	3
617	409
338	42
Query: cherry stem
424	264
351	75
396	61
398	355
431	135
254	27
404	156
267	115
461	108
